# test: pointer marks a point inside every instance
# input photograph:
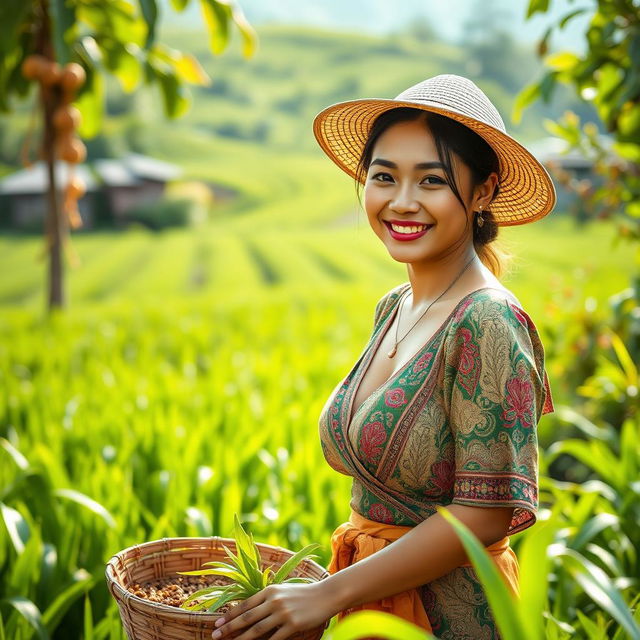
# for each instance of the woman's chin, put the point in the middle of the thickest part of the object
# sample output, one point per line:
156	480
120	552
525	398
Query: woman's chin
406	255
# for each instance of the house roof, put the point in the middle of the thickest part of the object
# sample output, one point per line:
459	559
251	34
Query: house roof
127	171
132	169
34	179
114	173
151	168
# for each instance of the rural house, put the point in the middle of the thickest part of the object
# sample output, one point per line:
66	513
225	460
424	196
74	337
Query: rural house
113	188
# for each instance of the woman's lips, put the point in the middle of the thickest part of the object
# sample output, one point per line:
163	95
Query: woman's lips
406	236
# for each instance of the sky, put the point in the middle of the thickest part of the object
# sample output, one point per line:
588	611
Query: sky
447	17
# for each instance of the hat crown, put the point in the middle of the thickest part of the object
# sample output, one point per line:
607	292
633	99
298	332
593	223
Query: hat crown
455	93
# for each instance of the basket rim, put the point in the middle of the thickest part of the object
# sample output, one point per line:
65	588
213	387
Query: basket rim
125	594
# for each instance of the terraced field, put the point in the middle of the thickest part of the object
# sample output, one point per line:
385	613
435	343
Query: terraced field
223	262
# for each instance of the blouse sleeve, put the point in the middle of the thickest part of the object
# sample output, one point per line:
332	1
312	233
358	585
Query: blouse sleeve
384	304
499	390
379	307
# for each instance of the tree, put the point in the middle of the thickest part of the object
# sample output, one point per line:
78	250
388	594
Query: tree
67	46
607	75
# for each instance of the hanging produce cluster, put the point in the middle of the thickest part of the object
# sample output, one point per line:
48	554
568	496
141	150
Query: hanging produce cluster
60	84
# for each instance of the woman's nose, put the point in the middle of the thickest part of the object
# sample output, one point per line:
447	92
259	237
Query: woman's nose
404	200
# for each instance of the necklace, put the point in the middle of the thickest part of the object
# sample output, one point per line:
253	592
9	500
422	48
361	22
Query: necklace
393	351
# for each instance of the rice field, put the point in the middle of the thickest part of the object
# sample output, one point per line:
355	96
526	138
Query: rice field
184	382
253	256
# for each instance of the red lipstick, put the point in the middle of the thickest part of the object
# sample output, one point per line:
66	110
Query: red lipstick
404	223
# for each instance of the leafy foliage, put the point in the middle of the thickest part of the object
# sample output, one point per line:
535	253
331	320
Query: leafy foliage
113	36
383	624
245	571
606	76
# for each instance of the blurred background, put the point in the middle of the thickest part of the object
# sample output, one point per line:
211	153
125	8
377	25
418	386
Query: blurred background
185	276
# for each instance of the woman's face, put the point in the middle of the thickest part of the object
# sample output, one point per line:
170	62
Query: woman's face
405	184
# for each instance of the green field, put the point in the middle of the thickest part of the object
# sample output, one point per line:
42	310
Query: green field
253	255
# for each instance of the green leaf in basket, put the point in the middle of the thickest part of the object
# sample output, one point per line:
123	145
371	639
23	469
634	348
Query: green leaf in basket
245	542
217	563
202	603
237	561
222	600
199	572
294	561
298	579
201	593
267	577
253	574
231	573
234	575
240	535
210	596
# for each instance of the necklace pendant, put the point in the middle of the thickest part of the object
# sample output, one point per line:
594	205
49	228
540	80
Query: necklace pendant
392	352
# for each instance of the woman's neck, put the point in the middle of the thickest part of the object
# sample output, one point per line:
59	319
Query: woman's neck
430	280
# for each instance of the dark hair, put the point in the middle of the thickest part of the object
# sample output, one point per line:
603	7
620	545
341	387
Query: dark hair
450	137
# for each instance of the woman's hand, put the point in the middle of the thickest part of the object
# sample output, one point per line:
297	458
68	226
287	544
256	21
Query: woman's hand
287	608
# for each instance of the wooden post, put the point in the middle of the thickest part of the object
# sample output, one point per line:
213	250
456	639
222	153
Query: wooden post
50	98
54	221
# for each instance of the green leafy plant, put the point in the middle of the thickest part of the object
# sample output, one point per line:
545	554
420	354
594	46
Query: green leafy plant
529	617
385	625
245	571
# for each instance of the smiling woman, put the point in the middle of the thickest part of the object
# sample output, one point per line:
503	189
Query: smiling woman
459	160
442	405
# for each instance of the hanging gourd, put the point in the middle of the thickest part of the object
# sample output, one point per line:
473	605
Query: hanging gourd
65	120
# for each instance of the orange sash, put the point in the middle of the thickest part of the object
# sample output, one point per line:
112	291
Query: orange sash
361	537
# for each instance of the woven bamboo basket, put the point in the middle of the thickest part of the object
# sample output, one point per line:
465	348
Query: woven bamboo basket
146	620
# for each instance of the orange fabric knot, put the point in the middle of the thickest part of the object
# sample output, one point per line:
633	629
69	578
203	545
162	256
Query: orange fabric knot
361	537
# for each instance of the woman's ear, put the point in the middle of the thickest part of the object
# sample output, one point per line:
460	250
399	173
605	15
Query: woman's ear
484	192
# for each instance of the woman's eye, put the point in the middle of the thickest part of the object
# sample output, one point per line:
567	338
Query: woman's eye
437	180
379	177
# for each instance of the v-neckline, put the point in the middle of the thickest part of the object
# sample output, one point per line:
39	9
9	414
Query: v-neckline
376	344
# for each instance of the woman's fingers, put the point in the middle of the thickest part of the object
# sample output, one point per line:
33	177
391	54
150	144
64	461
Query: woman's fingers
262	629
248	612
282	633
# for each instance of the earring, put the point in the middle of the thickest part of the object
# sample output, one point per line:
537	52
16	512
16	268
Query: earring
480	218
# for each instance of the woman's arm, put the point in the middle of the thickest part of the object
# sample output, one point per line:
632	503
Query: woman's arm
430	550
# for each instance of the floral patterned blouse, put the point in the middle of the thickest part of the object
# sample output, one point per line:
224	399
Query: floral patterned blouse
456	424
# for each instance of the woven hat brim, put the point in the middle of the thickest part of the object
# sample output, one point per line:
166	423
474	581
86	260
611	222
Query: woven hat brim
527	192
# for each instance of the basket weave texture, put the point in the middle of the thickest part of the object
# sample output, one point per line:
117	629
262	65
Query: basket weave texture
146	620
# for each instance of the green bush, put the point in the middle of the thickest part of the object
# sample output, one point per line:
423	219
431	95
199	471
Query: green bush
167	212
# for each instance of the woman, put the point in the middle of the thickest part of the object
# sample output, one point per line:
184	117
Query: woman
442	406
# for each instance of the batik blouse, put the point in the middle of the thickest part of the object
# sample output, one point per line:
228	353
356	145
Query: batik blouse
455	425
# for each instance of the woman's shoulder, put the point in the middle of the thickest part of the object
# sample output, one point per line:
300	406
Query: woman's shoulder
490	302
494	314
496	292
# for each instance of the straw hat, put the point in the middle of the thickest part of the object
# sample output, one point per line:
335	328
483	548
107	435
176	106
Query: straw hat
526	189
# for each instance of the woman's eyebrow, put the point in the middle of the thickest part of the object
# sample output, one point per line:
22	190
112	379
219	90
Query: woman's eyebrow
420	165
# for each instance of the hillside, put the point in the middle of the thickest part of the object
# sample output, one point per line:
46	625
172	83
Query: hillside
251	128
